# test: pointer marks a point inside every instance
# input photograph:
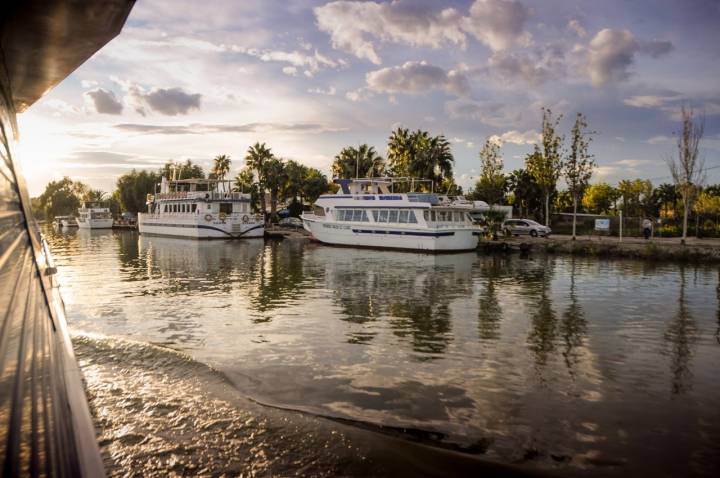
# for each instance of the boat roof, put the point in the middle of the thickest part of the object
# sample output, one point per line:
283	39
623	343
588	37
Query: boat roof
198	181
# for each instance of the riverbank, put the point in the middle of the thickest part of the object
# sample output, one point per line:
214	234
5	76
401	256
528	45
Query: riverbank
655	249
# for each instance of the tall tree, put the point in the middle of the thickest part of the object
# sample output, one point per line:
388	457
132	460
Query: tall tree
526	193
492	184
668	197
255	158
245	183
579	164
545	163
186	170
61	197
687	168
275	179
634	194
314	184
360	162
132	189
419	155
221	166
600	198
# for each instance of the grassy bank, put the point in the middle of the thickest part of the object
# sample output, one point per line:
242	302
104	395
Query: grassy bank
648	250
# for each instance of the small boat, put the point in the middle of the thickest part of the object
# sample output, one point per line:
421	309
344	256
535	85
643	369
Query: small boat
94	215
200	209
368	213
68	222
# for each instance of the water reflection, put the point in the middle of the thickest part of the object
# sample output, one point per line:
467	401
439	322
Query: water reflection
524	358
681	334
573	326
412	292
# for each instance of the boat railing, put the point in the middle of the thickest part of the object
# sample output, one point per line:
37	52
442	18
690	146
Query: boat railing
202	195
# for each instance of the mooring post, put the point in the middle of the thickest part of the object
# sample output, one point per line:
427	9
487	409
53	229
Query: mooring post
621	225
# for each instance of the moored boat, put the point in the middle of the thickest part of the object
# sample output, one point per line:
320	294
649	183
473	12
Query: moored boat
94	215
368	213
200	209
69	221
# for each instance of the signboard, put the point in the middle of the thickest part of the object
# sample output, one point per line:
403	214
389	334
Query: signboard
602	225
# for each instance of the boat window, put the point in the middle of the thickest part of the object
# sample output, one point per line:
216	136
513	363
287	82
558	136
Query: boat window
433	216
226	207
375	214
318	211
365	216
194	208
340	214
411	217
383	216
164	207
357	215
393	216
426	216
403	217
182	208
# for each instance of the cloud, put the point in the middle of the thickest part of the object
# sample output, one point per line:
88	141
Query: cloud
361	94
311	63
330	91
516	137
166	101
415	77
534	69
204	128
651	101
611	53
635	163
660	139
349	25
353	26
88	83
577	27
491	113
104	101
290	70
499	24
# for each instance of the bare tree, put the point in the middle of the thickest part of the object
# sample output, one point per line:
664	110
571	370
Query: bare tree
579	165
687	168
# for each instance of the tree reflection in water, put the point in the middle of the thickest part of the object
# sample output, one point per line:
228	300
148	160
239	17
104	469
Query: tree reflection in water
543	319
489	309
573	326
278	277
681	335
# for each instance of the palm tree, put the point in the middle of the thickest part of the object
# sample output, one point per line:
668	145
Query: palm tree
94	195
359	162
255	158
221	166
294	178
275	178
400	150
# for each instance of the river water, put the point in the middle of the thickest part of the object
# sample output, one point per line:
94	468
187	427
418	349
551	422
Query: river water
554	363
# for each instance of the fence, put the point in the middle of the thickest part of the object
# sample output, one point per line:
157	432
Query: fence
561	223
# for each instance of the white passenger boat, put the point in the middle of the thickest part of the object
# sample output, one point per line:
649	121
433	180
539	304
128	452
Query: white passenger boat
367	213
200	209
94	215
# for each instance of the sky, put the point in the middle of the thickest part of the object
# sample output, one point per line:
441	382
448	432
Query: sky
191	80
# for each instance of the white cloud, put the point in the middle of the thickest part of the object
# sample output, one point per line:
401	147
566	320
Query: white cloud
353	26
577	27
517	137
312	63
416	77
330	91
660	139
650	101
499	24
290	70
88	83
104	101
350	24
361	94
611	53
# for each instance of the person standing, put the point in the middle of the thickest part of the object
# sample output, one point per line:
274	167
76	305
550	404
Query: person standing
647	228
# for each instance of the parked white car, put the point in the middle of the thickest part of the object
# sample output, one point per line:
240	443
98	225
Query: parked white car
515	227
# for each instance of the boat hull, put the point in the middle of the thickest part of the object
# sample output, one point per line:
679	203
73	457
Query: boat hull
95	224
376	236
69	224
198	228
